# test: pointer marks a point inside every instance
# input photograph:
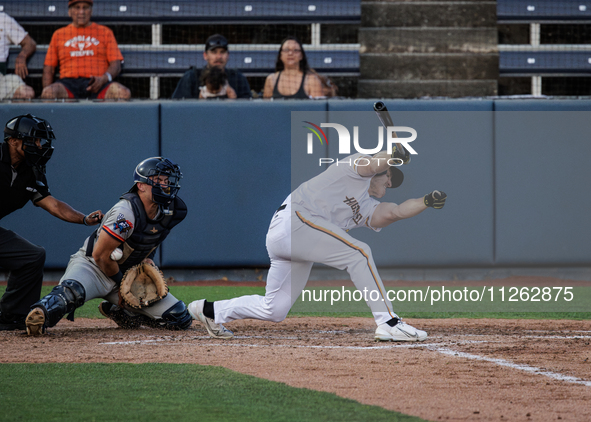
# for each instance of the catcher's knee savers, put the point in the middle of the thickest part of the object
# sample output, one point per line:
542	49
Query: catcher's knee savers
62	300
177	317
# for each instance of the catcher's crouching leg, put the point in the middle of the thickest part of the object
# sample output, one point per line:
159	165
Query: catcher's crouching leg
62	300
120	316
176	317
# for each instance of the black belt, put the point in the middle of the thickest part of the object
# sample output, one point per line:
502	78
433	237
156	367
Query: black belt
282	207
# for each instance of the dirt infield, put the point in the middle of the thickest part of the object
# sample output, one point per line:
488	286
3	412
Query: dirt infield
477	370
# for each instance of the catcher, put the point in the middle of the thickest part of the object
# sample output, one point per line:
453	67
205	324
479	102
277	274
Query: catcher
125	242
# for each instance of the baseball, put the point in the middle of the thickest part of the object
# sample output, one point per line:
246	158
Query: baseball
117	254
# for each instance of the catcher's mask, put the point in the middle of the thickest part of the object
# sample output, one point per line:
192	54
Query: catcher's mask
36	134
150	170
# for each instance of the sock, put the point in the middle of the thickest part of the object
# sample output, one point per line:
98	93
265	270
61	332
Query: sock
391	323
208	310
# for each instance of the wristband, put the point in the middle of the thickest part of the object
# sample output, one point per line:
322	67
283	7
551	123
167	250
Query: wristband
109	77
84	221
117	277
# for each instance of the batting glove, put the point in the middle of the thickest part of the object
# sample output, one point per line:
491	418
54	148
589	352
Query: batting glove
435	199
403	156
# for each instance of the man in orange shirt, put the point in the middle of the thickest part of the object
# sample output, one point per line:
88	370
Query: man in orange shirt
88	57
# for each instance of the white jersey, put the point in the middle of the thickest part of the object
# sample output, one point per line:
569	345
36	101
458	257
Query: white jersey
339	194
10	33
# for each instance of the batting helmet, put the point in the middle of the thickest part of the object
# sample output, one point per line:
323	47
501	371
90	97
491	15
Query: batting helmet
147	170
396	177
36	134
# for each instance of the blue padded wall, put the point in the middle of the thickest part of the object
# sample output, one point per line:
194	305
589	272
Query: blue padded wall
97	148
235	159
542	177
454	145
516	179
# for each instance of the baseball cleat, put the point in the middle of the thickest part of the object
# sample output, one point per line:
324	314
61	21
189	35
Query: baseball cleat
214	330
35	322
400	332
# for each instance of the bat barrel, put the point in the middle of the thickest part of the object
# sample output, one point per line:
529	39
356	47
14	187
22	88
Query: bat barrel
379	106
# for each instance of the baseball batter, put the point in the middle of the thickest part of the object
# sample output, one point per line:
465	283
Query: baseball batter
311	226
136	225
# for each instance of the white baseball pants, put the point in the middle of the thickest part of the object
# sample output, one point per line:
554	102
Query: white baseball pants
295	241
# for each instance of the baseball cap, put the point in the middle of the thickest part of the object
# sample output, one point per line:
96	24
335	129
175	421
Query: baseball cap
216	41
73	2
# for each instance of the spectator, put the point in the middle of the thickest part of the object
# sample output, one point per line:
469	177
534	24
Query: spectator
88	59
12	86
214	84
216	55
293	77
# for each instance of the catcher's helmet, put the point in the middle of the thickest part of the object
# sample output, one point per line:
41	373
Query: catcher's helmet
36	134
145	171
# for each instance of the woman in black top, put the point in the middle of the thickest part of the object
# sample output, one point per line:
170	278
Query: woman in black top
293	77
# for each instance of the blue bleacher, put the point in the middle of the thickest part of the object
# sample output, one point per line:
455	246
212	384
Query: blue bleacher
545	59
523	63
543	10
147	60
191	11
176	62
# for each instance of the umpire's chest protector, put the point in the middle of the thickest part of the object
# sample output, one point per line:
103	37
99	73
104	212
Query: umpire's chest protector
148	234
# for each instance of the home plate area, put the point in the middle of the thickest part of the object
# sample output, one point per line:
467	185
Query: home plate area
468	369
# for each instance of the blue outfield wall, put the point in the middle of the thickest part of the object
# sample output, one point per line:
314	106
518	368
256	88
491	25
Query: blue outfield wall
515	173
97	148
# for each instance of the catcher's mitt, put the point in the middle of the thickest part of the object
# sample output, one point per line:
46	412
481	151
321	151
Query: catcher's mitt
142	286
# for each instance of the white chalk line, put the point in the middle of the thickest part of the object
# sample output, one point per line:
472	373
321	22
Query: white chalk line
230	343
435	347
506	363
565	336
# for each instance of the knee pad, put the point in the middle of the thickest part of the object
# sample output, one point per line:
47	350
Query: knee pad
177	317
63	299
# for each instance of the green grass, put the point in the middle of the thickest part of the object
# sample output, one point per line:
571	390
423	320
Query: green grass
190	293
166	392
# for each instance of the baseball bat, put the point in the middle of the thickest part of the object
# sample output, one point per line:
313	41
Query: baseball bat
386	120
384	116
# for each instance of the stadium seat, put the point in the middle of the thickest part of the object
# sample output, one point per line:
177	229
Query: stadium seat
186	11
511	11
176	62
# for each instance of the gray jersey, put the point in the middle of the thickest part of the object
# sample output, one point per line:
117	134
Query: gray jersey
118	222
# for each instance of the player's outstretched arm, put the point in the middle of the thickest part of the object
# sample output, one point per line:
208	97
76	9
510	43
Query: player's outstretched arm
387	213
65	212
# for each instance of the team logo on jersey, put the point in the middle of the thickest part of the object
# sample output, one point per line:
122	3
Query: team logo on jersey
352	202
122	224
81	44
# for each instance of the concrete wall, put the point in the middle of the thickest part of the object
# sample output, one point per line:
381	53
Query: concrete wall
515	173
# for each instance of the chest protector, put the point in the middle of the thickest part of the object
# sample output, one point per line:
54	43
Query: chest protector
147	234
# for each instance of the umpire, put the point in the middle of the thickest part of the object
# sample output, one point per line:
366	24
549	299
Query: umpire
23	155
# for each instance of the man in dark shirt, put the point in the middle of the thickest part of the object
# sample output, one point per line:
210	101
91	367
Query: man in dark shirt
23	155
216	54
